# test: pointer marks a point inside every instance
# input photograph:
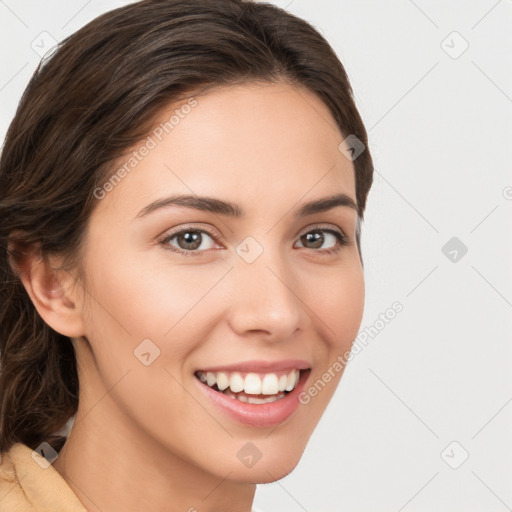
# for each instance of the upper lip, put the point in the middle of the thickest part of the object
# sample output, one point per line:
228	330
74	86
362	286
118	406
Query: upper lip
260	366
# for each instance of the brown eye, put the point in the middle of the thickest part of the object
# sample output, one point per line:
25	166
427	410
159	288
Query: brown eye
189	241
316	238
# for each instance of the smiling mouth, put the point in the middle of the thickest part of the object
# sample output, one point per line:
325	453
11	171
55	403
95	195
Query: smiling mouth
253	388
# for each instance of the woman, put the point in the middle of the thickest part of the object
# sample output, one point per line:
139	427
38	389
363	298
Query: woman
182	190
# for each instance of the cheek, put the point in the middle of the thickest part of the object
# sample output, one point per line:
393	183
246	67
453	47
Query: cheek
138	296
339	304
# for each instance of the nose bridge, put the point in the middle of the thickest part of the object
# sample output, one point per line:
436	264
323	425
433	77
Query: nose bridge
264	296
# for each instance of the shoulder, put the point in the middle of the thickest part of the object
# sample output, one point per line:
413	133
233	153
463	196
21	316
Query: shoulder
12	496
29	483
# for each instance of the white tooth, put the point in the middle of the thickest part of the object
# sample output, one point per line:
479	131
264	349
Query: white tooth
290	381
252	385
297	377
210	379
202	376
282	382
236	383
254	400
222	381
270	384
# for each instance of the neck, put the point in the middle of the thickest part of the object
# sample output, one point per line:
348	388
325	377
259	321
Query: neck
112	465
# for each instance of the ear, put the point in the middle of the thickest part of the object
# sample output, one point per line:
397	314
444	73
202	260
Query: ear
51	290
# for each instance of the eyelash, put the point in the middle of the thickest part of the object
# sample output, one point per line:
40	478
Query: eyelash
342	240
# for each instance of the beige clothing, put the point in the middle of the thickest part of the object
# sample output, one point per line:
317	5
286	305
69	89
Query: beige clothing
26	486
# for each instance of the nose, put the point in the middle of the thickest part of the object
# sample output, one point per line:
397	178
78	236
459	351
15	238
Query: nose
265	298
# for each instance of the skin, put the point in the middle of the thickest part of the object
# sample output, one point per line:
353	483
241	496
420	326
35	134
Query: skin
269	148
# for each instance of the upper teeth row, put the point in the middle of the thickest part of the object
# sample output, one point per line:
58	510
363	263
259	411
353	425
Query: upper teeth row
253	383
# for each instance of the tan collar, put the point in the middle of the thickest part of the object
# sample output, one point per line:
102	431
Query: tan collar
27	486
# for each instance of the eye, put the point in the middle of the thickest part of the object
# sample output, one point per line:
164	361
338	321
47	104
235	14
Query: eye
189	241
317	237
193	241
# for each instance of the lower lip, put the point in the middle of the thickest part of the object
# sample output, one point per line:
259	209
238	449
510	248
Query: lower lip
258	415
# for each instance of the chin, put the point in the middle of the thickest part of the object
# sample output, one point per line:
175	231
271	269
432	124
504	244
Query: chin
267	469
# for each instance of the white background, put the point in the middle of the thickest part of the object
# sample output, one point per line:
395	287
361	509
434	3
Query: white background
440	133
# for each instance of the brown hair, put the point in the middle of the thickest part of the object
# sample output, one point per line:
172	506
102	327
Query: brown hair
86	105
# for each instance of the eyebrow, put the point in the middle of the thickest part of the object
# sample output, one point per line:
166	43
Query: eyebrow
218	206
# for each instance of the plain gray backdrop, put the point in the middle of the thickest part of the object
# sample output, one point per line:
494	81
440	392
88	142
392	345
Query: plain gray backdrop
421	420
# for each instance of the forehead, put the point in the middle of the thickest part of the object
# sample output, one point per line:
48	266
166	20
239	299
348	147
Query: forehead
252	142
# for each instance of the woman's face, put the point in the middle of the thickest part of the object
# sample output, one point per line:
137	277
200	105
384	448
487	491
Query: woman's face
250	298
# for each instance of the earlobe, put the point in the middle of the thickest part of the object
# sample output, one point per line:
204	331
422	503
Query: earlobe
51	291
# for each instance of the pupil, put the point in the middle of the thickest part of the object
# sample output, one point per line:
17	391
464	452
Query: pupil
315	237
193	239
